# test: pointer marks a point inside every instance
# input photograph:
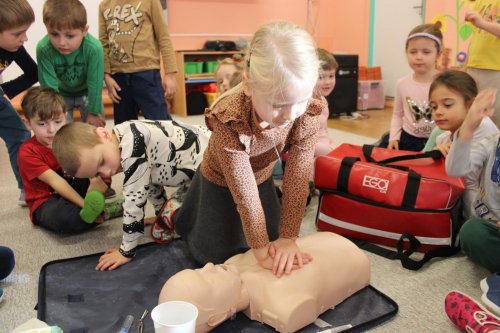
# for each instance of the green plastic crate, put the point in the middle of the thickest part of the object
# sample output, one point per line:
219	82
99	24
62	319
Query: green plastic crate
210	66
193	67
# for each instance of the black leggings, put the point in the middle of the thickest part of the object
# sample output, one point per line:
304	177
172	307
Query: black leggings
406	142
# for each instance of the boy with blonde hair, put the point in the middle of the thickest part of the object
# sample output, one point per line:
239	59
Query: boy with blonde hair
134	36
16	17
152	154
54	200
71	60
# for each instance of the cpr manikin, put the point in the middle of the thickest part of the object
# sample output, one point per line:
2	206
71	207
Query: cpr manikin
338	269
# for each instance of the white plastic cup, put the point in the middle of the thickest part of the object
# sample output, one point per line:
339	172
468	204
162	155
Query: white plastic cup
175	317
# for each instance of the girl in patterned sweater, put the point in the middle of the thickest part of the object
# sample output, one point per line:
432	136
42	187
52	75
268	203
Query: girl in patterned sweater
232	204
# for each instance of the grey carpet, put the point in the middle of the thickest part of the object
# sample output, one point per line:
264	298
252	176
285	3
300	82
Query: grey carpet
420	294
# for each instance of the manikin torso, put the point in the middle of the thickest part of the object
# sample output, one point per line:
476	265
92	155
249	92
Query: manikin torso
338	269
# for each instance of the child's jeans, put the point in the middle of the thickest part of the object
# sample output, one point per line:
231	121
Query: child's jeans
13	132
480	240
78	102
62	216
140	91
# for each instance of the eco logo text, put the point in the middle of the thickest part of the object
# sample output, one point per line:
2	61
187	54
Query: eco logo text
376	183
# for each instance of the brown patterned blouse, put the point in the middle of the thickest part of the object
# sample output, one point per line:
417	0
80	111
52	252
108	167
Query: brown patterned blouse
241	155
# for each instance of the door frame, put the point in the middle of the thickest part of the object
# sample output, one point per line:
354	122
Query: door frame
371	35
371	29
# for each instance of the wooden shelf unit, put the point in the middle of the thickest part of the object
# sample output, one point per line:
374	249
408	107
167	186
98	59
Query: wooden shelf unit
179	106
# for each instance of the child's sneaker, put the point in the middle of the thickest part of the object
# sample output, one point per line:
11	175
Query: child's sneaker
162	230
491	292
22	199
468	315
114	208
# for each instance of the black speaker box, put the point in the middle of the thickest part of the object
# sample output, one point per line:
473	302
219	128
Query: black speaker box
344	97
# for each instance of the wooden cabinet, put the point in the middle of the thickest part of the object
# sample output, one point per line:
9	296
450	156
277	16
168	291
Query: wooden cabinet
187	82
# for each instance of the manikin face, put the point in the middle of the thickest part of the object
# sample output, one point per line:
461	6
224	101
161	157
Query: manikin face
422	54
448	108
326	82
219	277
214	289
224	74
281	110
12	39
102	160
44	130
66	41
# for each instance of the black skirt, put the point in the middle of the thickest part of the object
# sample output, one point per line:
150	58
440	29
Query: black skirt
210	224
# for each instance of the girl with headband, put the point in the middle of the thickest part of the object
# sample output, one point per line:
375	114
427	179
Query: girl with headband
412	121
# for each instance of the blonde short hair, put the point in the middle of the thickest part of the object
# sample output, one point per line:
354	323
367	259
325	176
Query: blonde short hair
70	140
238	65
44	102
279	54
229	61
15	13
64	14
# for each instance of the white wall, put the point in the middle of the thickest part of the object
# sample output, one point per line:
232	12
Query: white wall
388	43
37	31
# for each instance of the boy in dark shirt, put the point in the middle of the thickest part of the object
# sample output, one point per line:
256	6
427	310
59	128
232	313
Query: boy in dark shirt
16	17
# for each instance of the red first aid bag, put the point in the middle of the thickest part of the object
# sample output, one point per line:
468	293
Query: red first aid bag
391	197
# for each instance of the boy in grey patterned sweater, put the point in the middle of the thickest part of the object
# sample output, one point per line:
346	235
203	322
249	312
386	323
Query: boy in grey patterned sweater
152	154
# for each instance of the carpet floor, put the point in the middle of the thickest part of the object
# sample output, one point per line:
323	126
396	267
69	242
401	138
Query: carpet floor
420	294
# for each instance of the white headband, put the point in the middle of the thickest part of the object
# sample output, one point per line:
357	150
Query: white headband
424	34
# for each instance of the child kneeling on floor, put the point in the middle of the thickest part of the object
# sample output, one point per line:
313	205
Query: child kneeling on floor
152	154
54	199
480	235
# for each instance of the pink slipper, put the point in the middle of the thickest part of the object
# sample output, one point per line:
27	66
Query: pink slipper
468	315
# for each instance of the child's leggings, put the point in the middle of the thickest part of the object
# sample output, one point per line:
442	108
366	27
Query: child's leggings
480	240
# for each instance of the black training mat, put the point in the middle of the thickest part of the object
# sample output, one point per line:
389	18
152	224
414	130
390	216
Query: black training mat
79	299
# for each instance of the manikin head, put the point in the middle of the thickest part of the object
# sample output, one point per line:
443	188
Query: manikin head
216	290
